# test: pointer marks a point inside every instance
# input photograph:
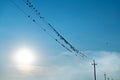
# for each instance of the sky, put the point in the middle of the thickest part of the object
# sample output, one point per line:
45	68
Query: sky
92	26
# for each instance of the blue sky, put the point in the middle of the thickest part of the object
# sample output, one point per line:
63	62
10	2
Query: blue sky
92	26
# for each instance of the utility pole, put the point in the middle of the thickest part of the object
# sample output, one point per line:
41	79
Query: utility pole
94	64
105	76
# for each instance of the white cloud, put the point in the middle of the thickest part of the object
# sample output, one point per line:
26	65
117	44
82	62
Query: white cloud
70	67
74	68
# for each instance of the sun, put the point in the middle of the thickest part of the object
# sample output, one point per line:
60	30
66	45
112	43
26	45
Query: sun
24	56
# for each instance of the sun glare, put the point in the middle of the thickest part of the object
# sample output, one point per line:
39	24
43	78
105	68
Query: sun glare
24	56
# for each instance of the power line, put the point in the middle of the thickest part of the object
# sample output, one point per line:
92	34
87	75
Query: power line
71	48
30	5
33	20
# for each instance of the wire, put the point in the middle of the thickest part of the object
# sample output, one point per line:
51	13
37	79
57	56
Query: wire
70	49
30	5
33	20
